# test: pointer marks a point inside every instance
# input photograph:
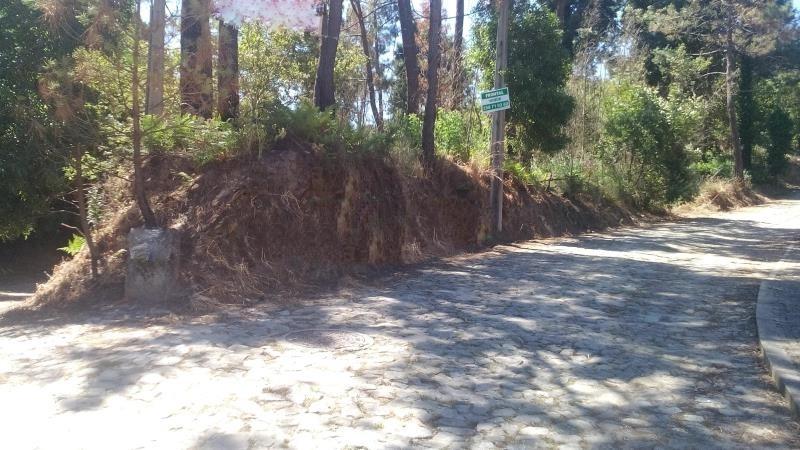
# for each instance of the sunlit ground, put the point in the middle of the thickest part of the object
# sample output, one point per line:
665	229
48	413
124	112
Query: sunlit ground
639	337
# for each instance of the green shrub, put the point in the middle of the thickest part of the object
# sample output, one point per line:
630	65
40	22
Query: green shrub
714	167
646	162
521	172
306	123
204	140
461	135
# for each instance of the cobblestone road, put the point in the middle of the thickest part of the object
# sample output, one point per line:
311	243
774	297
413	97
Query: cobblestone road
638	338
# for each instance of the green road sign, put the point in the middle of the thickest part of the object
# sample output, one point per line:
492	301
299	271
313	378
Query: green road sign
492	107
494	93
495	100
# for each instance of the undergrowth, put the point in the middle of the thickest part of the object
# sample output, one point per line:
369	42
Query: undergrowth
462	137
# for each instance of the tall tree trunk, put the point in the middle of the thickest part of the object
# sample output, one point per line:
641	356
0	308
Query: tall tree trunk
498	138
83	212
139	192
408	29
228	71
366	48
747	108
324	89
561	7
458	48
377	52
434	55
730	68
196	82
154	102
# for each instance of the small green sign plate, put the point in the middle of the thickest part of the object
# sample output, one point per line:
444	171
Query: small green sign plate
495	100
494	93
499	106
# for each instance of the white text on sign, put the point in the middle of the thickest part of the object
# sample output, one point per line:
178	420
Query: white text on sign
495	100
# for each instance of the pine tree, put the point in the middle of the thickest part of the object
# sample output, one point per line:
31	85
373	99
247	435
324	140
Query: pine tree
728	29
324	88
434	55
196	66
154	98
228	71
408	29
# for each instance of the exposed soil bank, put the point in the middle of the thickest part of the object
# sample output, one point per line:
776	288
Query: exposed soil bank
254	228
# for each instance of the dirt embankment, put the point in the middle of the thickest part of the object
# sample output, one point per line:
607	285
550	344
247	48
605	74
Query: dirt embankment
299	217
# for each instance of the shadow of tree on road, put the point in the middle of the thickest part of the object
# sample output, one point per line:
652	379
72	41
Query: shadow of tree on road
641	337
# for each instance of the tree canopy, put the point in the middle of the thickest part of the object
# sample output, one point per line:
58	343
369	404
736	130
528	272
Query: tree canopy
637	101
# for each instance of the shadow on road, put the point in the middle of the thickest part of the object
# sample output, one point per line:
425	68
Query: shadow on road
640	337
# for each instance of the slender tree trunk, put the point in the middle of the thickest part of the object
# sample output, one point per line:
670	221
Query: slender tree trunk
83	212
228	71
408	29
154	103
458	49
366	48
377	52
136	136
730	68
499	121
196	55
746	110
434	55
560	8
458	37
324	89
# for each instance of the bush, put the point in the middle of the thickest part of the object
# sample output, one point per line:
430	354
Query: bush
646	162
522	173
714	167
461	135
204	140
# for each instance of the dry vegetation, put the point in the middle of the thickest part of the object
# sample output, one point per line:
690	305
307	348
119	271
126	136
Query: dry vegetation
255	228
722	194
718	194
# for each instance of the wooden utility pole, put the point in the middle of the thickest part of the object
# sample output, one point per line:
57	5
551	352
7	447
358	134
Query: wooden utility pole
499	121
458	56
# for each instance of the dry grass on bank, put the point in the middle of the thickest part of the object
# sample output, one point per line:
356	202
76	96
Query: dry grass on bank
717	194
263	229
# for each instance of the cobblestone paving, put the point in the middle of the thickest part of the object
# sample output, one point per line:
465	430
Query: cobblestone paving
638	338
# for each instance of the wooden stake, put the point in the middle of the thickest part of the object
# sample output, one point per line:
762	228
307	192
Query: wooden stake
499	121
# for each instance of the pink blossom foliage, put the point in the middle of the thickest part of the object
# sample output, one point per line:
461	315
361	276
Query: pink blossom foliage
292	14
